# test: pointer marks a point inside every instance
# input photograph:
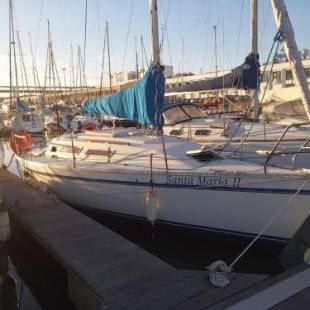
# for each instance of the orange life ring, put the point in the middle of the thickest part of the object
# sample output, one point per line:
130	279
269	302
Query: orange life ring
20	141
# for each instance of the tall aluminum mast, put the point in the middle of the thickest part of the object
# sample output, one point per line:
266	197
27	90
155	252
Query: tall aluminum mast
155	36
290	47
254	49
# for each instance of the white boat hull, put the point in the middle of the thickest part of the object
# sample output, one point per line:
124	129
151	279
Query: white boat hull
219	201
33	127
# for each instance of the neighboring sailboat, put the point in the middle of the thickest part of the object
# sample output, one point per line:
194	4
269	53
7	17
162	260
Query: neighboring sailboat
19	116
142	174
251	141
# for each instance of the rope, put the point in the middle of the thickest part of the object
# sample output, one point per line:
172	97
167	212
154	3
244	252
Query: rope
85	33
271	221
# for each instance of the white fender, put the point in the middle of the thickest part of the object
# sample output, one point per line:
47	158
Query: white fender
152	206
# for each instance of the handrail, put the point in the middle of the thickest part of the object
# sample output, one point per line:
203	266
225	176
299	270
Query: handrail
299	151
278	142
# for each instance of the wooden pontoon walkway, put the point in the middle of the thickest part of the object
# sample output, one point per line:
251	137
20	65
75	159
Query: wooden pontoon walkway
104	270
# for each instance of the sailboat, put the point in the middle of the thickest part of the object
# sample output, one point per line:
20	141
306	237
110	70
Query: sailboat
251	141
140	173
247	141
19	115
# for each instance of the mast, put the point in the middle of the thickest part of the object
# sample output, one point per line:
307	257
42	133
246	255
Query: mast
72	83
109	58
14	52
155	36
85	35
64	69
137	59
35	74
290	47
156	60
23	67
254	50
215	50
102	62
142	54
53	73
10	54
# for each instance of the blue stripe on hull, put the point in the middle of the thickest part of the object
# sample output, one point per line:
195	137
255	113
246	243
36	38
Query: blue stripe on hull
215	188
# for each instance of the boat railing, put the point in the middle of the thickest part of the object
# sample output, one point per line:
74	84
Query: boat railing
296	154
300	150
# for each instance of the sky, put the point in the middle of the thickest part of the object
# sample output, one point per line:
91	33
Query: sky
186	25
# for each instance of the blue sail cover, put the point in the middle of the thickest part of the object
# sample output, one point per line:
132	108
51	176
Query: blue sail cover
245	76
141	103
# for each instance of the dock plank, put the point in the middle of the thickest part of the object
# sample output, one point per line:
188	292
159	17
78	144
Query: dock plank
118	272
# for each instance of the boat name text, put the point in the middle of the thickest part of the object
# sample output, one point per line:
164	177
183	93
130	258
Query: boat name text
204	181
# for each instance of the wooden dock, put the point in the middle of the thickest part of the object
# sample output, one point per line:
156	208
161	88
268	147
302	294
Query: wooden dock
104	270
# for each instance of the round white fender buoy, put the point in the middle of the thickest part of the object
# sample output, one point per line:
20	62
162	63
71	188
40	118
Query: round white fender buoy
307	256
152	206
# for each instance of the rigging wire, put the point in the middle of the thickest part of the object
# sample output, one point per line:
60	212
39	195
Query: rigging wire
39	27
266	24
277	40
127	36
164	29
102	62
193	52
269	223
207	22
239	31
169	48
85	32
144	52
22	67
35	73
99	24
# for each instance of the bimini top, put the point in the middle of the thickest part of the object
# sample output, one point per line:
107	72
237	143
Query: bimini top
141	103
180	113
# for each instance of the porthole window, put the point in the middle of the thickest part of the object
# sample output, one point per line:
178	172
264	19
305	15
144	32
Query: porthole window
202	132
175	132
